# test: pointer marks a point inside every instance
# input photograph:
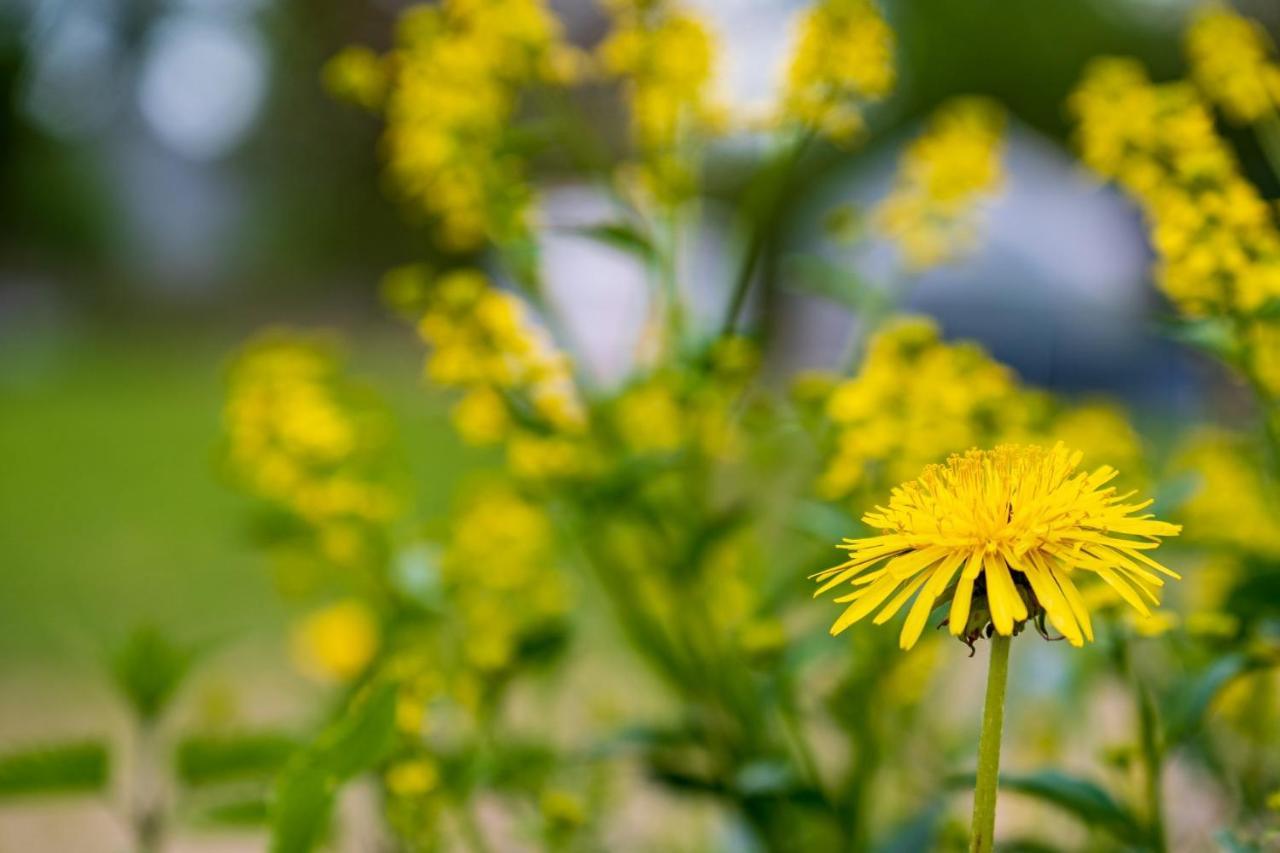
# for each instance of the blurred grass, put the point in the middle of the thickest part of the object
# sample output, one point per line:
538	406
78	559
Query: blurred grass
111	509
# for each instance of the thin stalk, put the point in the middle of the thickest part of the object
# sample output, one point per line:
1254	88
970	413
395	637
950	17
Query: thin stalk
767	201
984	795
1153	764
1267	130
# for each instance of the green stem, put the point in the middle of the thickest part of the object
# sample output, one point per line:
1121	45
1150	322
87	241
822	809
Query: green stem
1267	129
984	795
764	199
1153	761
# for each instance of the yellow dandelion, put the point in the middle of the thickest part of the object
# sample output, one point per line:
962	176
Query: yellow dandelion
1003	534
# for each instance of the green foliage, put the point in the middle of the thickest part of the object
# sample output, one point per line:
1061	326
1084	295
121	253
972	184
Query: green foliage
201	760
304	795
66	768
622	236
149	668
1192	703
1081	798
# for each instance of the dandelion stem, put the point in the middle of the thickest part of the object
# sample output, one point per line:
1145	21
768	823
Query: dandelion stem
984	795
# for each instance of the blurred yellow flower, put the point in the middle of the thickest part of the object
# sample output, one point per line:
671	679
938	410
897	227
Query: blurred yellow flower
301	435
413	778
649	419
665	59
915	400
842	58
450	91
1213	232
337	642
1002	532
933	210
499	564
1232	504
1233	64
357	74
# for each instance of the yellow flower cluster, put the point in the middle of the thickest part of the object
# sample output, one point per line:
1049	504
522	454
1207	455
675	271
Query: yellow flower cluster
1218	246
914	400
1008	532
337	642
664	413
517	386
300	435
450	90
1230	507
1232	63
932	210
842	59
499	566
665	58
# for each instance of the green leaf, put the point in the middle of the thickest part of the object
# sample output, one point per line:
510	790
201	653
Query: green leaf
148	670
1214	335
820	277
304	795
622	236
1086	800
65	768
212	759
240	811
1193	702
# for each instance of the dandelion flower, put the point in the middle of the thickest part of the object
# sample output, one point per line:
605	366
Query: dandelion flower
1003	534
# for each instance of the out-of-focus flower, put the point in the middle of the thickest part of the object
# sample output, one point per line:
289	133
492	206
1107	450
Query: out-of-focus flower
842	59
337	642
358	75
1101	431
304	437
649	419
934	209
413	778
665	58
499	565
1217	242
1232	63
484	342
1233	506
915	400
1006	531
450	90
562	810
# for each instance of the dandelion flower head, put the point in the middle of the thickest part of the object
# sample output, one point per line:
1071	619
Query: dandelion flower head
1004	535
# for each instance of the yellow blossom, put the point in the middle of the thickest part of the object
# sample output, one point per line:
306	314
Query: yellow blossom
665	59
933	208
842	58
1215	236
915	400
303	436
1231	506
1232	61
1005	533
499	566
337	642
357	74
450	91
649	418
413	778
